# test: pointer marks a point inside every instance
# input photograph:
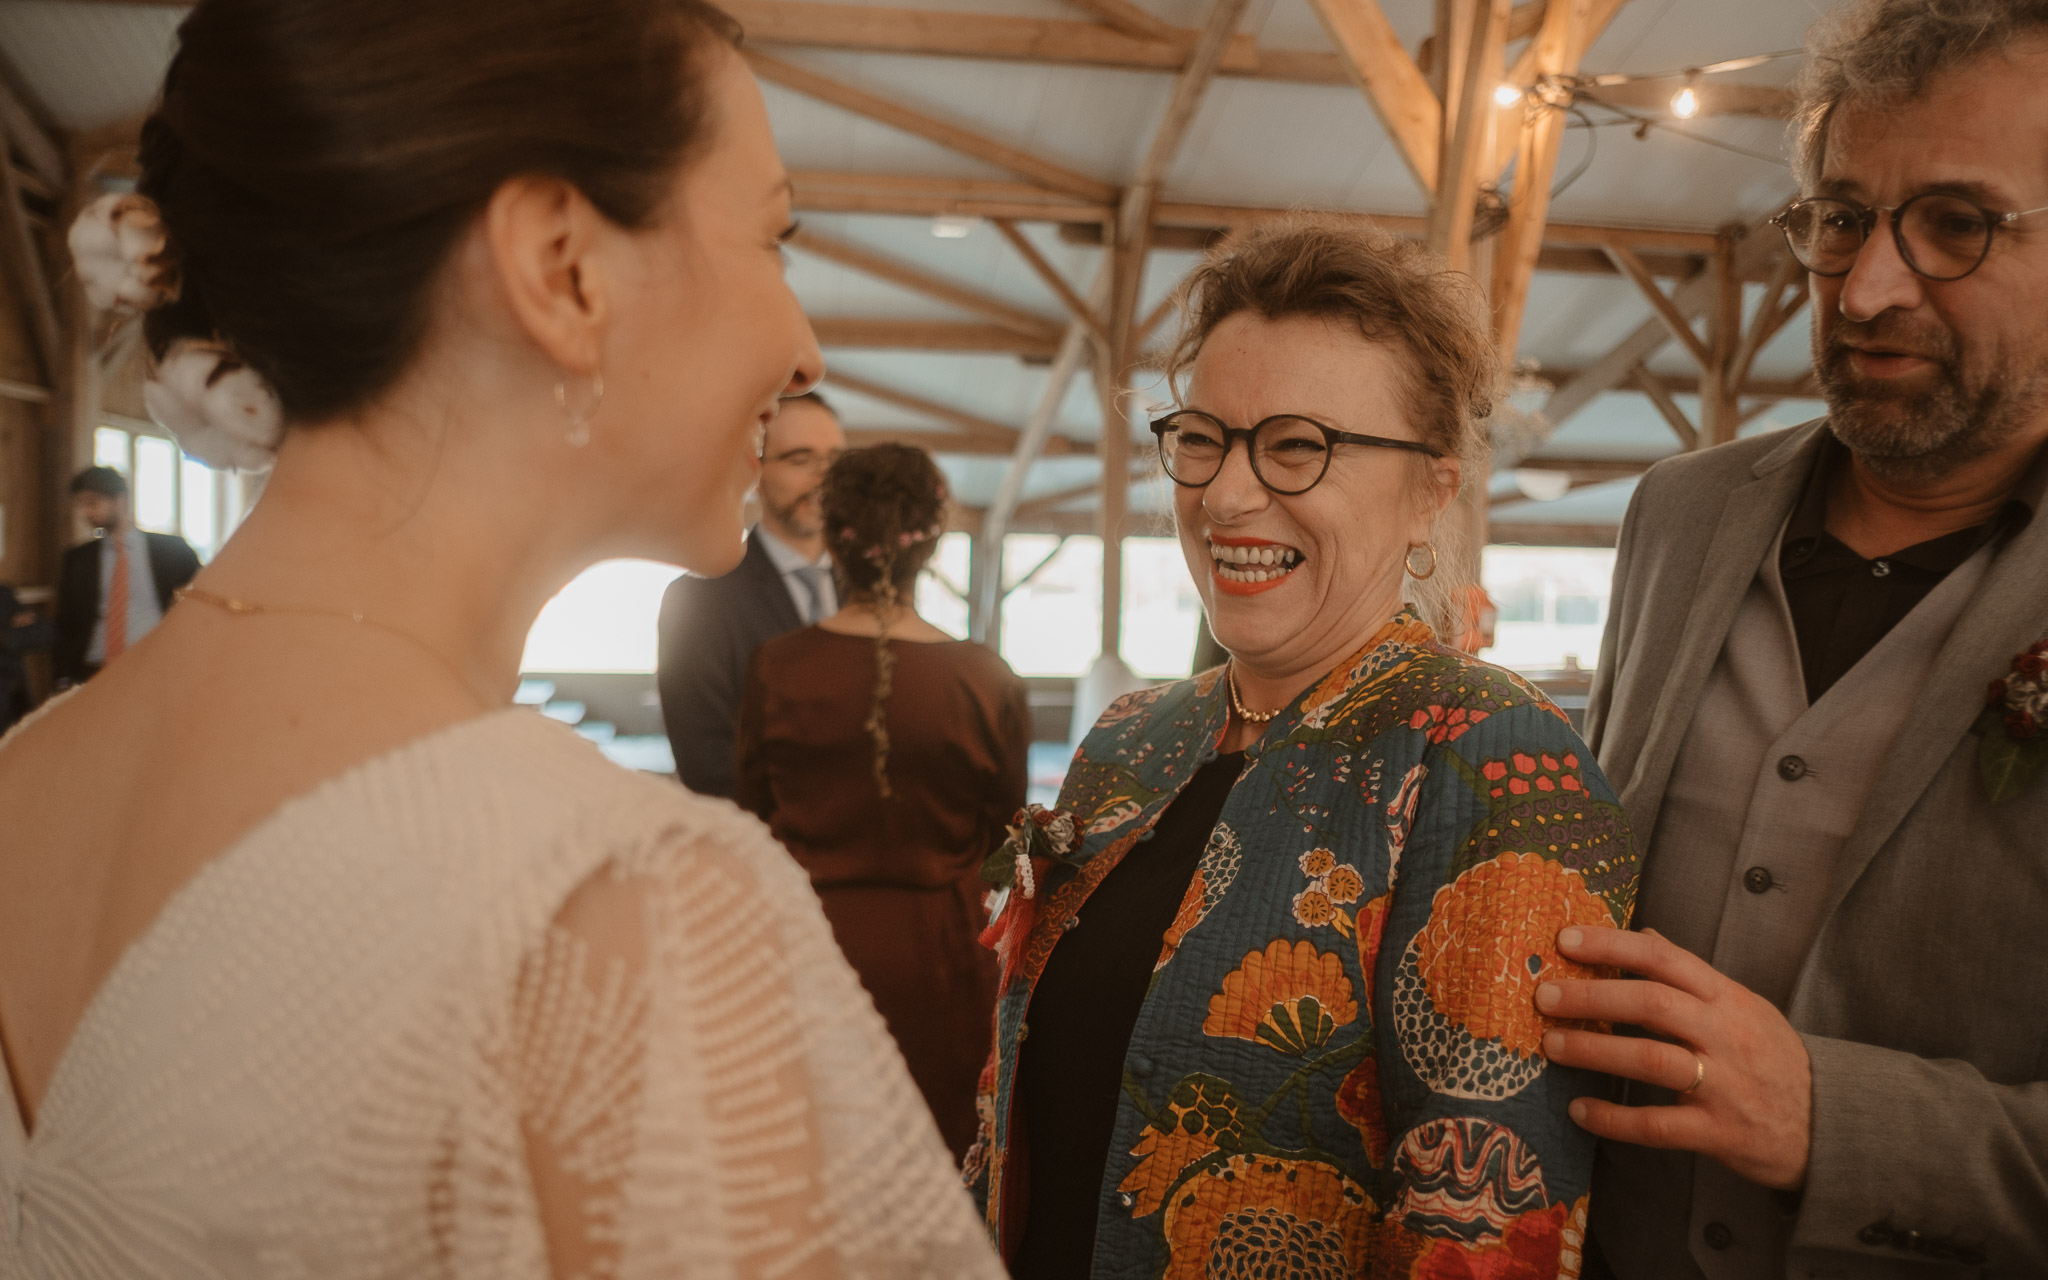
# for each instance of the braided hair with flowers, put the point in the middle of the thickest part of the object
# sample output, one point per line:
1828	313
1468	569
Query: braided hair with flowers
885	507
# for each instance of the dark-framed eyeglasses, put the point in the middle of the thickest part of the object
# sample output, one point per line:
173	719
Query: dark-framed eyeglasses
1289	453
1940	236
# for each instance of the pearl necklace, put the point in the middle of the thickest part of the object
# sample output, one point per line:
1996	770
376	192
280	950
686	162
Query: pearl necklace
1250	717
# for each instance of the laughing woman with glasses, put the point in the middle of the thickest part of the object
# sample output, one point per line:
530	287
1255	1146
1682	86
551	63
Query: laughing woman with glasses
1269	1010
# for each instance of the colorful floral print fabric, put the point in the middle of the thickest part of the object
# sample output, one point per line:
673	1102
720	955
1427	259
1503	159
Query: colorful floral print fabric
1337	1071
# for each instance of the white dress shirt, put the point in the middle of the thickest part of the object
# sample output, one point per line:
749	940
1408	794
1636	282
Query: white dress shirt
791	564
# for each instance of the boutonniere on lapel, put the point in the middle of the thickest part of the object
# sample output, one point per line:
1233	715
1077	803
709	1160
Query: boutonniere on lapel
2015	725
1040	838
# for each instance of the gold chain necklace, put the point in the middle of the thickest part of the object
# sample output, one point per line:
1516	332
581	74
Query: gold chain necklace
1251	717
243	608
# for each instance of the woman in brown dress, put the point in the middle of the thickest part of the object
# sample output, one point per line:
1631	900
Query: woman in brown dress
890	759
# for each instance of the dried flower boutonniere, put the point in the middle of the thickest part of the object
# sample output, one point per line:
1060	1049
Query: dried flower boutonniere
2015	726
1039	838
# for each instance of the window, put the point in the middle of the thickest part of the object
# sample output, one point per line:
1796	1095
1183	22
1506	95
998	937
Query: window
942	588
1553	602
169	492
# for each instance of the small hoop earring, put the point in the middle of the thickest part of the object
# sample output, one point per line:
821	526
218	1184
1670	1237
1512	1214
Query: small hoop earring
578	433
1427	574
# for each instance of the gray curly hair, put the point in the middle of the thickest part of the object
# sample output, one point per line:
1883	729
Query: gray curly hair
1887	51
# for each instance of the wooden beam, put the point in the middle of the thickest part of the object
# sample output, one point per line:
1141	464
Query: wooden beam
1129	19
1523	21
1772	313
970	423
962	443
1531	533
965	141
1467	141
25	392
1568	29
1660	396
885	29
35	144
1590	470
1077	307
25	260
928	335
1395	87
1760	246
1675	320
1716	98
918	280
821	191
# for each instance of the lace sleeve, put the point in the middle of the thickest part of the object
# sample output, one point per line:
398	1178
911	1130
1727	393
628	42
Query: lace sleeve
705	1090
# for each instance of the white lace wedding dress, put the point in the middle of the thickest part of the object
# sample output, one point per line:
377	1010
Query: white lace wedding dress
490	961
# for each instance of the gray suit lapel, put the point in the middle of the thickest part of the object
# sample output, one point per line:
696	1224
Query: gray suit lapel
2008	612
1749	520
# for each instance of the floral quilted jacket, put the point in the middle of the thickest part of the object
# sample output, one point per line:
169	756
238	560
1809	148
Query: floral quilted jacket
1336	1070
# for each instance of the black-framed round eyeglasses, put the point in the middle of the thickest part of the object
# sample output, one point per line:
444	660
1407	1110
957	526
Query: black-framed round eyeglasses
1940	236
1289	454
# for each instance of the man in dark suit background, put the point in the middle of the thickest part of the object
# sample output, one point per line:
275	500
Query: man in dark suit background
710	627
112	590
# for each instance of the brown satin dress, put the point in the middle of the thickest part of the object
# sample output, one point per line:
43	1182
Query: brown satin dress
899	877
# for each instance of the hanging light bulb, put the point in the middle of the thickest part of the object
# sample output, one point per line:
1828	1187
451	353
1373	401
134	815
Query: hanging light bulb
1506	95
1685	104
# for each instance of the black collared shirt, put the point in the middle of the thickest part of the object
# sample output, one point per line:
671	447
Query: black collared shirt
1843	604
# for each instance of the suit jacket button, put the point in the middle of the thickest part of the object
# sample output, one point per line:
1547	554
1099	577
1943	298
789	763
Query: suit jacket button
1718	1236
1791	768
1757	880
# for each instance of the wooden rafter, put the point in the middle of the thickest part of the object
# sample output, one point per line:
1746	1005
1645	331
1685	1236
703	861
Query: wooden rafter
1667	310
1568	29
918	280
1468	117
826	191
1077	307
1372	55
1667	407
1129	19
1756	250
969	423
38	148
1715	97
1784	297
896	115
952	34
1523	20
963	443
1532	533
864	333
25	263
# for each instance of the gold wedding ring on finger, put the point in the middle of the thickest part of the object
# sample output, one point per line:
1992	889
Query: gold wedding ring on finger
1699	1076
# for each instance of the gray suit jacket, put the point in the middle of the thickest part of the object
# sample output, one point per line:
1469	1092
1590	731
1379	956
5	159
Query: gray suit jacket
1924	997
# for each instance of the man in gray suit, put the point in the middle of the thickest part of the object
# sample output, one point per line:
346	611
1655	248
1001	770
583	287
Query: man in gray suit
1835	1057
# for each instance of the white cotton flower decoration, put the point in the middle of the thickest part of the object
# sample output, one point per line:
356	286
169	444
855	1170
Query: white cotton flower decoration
117	244
226	419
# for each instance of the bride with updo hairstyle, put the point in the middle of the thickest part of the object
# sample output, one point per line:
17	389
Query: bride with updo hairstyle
317	956
890	759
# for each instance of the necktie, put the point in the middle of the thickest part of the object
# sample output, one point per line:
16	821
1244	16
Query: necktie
117	603
812	577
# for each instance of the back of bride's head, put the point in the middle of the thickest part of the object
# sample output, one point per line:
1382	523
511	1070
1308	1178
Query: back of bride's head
316	162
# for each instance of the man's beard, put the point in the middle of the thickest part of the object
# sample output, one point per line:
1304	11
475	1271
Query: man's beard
1916	435
801	517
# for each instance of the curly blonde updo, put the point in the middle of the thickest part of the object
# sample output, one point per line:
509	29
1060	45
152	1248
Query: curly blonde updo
1392	291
